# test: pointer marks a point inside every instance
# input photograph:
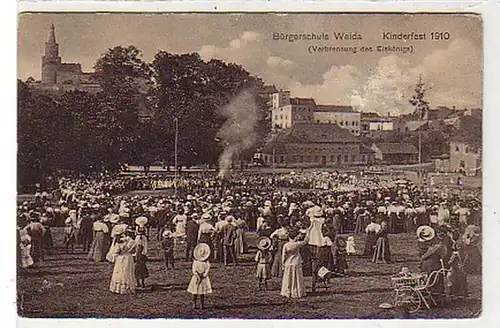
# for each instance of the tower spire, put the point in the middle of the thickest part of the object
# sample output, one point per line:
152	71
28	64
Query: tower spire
52	34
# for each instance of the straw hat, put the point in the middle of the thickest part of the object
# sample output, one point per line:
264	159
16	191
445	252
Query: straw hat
118	229
425	233
141	221
263	243
166	233
114	219
201	252
317	212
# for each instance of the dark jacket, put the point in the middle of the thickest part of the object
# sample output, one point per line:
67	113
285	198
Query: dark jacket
192	231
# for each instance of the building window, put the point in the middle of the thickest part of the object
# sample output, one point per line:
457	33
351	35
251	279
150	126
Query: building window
466	150
276	117
317	121
363	158
346	158
308	159
356	131
462	164
282	159
353	123
457	149
332	158
281	117
406	129
353	158
286	117
342	123
301	159
315	159
339	159
329	122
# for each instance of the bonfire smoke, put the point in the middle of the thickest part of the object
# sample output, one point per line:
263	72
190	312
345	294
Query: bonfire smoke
238	132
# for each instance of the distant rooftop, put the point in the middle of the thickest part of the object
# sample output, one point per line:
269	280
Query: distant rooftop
397	148
302	101
335	109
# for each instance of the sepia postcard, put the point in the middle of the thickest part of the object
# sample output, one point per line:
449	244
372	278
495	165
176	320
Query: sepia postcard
249	165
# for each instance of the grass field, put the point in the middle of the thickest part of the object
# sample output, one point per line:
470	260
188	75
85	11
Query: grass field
67	285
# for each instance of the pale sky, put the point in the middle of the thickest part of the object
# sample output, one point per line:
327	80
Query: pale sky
376	81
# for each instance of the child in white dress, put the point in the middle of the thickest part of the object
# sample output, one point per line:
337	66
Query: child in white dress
350	246
200	281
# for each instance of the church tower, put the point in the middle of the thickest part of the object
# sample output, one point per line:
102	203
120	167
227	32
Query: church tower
51	60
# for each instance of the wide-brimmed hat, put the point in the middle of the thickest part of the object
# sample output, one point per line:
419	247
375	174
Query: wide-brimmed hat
118	229
386	306
166	233
201	252
114	219
264	243
317	212
425	233
141	221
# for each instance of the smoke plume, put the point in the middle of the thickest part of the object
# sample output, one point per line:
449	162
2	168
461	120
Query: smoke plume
238	132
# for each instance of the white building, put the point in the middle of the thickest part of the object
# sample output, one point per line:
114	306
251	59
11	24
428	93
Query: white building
343	116
287	111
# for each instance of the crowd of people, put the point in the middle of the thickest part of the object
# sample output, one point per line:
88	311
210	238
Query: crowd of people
302	220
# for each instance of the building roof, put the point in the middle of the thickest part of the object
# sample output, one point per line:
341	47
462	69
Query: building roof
70	67
307	133
397	148
302	101
334	109
363	149
369	114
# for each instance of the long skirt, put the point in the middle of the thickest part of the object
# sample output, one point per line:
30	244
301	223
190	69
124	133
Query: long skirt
240	244
360	222
123	278
382	252
37	248
276	269
96	252
48	241
472	259
370	242
292	285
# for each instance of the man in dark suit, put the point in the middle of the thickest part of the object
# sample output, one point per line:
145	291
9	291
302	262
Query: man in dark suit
191	237
86	229
228	233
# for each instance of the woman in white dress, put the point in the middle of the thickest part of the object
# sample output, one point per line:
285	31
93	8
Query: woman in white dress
25	245
123	278
292	285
